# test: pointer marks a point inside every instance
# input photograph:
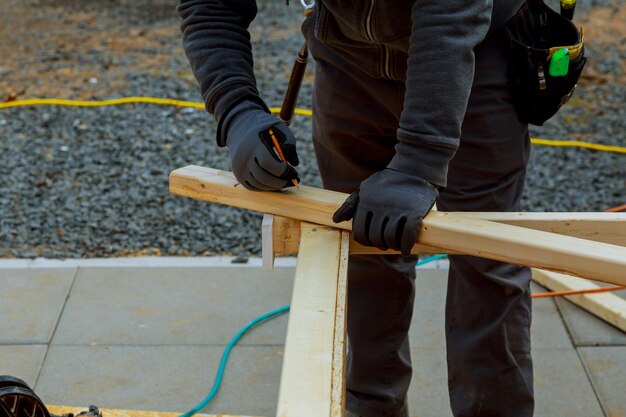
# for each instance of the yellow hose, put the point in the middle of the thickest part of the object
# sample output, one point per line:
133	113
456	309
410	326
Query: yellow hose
300	112
98	103
579	144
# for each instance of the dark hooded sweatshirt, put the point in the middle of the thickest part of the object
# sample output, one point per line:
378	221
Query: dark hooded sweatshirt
429	45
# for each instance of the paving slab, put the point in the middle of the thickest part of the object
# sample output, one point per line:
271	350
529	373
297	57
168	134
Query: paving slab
173	378
562	388
162	378
605	366
428	393
151	338
32	300
586	329
173	306
547	330
22	361
428	324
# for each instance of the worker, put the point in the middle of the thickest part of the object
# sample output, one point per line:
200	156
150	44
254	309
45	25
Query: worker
410	107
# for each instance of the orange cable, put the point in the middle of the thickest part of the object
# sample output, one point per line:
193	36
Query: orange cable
617	209
574	292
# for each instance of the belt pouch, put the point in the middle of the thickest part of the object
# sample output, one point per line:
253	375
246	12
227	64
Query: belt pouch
534	35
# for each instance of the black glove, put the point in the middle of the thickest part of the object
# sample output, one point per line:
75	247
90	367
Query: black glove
254	160
388	209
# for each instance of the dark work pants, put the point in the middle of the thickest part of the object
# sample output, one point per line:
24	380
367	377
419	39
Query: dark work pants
488	310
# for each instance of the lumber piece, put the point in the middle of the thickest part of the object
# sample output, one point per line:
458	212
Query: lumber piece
450	231
60	410
599	227
306	384
607	306
267	241
338	382
286	240
286	235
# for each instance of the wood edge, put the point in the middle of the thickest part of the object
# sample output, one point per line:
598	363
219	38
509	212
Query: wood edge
518	245
285	226
286	232
606	306
338	387
267	242
112	412
288	404
446	230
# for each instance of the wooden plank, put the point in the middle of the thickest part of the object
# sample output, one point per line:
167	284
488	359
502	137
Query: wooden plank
306	380
450	231
286	235
267	242
61	410
338	383
599	227
607	306
286	240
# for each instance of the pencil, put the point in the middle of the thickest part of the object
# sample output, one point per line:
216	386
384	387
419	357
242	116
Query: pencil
281	154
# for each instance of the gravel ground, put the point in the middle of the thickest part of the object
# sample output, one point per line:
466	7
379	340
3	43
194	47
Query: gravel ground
85	182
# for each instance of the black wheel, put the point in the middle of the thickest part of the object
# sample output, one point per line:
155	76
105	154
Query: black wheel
18	400
11	381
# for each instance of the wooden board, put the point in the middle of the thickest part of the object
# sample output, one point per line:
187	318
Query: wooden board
607	306
450	231
61	409
338	388
267	241
286	240
599	227
308	382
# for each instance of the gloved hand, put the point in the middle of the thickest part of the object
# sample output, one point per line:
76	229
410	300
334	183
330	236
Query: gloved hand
254	160
388	209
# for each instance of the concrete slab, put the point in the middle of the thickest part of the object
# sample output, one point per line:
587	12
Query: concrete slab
22	361
547	329
173	306
557	366
172	378
586	329
428	393
428	323
162	378
150	338
605	366
562	388
32	301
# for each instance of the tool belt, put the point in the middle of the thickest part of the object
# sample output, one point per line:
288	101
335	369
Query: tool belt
547	58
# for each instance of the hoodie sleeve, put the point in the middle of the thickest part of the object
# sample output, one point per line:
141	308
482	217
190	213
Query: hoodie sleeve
217	43
438	83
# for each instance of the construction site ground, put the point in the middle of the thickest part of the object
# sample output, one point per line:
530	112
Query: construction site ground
148	333
80	182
